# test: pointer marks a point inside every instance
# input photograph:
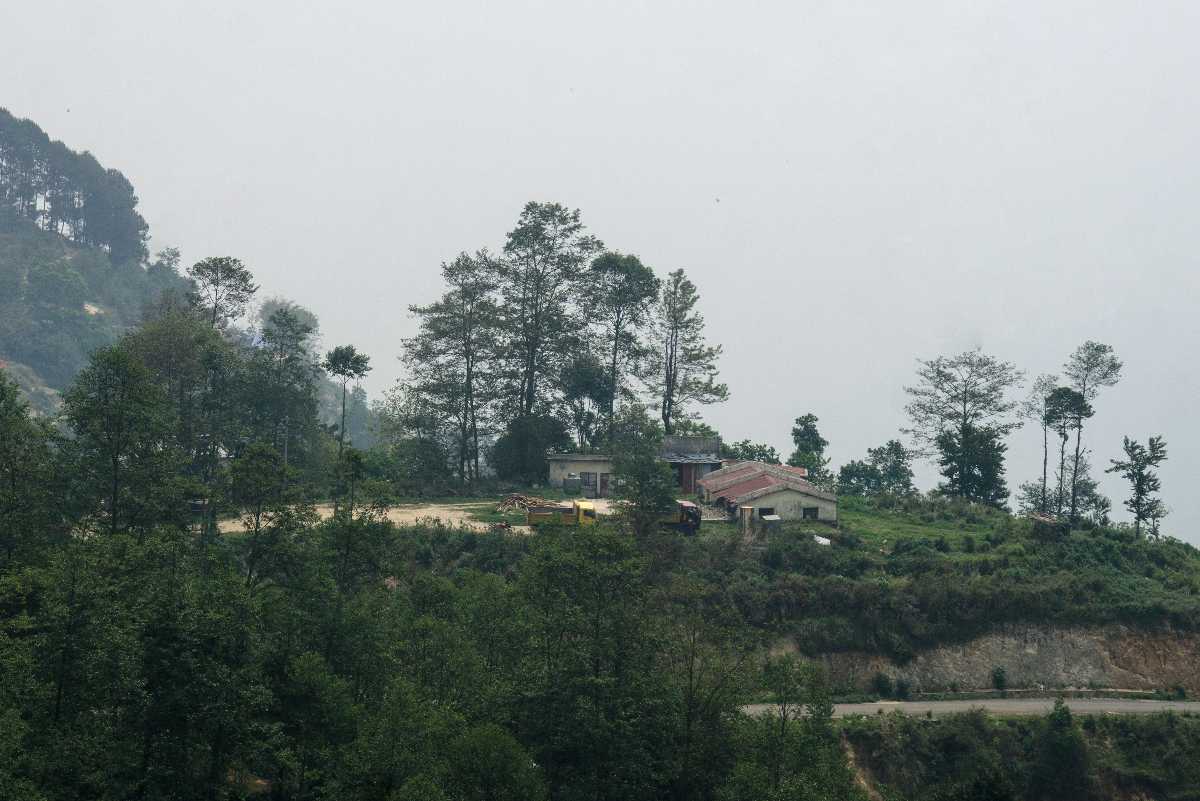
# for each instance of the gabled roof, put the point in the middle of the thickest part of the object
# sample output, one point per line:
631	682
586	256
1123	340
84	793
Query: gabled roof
746	484
718	480
730	468
804	488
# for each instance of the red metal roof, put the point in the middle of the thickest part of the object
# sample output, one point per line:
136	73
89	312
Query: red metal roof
749	485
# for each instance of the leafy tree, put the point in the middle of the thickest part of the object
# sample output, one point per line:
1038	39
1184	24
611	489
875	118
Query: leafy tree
1063	407
27	478
488	764
592	714
586	393
283	381
125	456
683	366
413	440
347	364
973	465
621	291
223	288
960	407
539	277
746	450
1092	366
1138	468
887	470
200	375
810	450
642	481
453	357
793	753
1060	770
520	452
706	655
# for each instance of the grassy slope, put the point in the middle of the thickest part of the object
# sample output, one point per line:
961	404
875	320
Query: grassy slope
901	578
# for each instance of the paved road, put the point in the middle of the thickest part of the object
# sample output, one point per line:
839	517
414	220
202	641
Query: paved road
1006	706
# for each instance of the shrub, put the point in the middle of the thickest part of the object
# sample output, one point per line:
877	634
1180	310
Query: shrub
881	684
1000	678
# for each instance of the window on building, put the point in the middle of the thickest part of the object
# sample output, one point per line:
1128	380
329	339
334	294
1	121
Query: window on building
811	512
587	479
763	511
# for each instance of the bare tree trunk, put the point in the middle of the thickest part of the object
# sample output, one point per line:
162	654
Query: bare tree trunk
1075	472
1045	464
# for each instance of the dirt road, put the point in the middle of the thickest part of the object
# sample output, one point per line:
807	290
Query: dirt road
1005	707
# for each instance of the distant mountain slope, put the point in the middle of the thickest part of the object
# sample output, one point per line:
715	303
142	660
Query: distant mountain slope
73	267
59	302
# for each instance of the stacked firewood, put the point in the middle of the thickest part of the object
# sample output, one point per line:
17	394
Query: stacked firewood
519	501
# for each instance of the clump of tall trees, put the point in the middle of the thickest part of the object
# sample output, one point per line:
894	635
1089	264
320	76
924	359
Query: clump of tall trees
540	345
69	193
962	409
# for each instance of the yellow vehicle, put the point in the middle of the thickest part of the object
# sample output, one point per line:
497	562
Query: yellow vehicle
685	517
579	513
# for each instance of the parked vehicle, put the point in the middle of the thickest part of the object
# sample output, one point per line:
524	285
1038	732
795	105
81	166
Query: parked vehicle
685	517
578	513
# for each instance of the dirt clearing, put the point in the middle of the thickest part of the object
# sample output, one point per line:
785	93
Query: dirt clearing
450	514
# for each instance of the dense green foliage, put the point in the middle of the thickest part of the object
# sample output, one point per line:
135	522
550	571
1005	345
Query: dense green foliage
143	656
903	573
1057	758
539	346
68	193
45	283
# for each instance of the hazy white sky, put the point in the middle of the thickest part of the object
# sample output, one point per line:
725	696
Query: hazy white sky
851	185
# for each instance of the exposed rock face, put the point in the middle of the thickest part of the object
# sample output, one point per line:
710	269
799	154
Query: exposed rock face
1114	656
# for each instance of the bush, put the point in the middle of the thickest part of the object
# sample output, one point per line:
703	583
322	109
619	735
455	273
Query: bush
881	684
1000	678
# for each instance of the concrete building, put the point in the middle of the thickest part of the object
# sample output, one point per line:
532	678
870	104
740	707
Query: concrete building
770	490
690	458
594	471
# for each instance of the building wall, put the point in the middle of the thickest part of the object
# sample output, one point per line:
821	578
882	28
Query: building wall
790	504
559	468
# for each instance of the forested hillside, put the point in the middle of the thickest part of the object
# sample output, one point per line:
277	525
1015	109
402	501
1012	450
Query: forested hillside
73	267
202	595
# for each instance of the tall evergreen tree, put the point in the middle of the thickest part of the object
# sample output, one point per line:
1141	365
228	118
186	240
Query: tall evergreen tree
972	462
125	454
1138	468
540	278
453	359
621	290
684	368
809	450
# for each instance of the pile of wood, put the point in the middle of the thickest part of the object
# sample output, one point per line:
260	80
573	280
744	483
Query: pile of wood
519	501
